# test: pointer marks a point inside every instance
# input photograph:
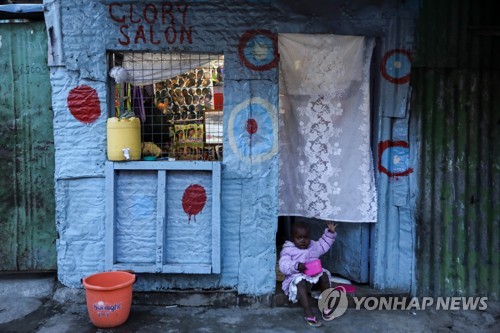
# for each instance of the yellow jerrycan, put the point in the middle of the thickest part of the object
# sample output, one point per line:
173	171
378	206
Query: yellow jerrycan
124	139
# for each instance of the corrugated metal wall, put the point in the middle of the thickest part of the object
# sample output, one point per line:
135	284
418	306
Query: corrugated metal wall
27	209
456	123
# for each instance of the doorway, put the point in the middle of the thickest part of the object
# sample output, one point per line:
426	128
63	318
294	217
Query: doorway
326	167
348	257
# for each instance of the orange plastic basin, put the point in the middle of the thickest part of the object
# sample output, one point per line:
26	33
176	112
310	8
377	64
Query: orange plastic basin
109	297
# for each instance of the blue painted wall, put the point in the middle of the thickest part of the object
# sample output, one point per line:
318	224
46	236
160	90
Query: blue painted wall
80	33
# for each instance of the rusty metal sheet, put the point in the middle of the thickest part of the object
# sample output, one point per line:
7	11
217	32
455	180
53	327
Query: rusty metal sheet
27	238
456	114
458	211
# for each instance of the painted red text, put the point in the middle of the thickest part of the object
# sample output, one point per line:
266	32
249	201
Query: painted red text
151	23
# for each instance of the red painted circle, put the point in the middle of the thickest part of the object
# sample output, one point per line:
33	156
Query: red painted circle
194	199
243	43
83	104
383	67
252	126
382	146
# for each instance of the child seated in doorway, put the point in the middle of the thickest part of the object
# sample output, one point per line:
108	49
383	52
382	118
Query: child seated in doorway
293	257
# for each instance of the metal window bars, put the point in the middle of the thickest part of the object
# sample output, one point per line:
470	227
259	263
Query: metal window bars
177	96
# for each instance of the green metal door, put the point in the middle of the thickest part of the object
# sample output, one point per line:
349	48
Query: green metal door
27	217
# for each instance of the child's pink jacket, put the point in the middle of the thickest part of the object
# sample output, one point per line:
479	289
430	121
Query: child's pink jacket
291	256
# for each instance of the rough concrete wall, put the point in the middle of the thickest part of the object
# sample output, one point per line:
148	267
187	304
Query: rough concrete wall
81	31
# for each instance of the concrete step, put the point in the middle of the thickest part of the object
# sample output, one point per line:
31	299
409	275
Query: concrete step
45	285
27	284
222	298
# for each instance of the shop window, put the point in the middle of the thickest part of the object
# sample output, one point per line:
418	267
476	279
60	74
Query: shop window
163	216
177	96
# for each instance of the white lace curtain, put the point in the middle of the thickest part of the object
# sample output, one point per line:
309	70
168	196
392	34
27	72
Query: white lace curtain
326	167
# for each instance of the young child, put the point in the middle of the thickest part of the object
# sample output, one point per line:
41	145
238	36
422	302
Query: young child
292	261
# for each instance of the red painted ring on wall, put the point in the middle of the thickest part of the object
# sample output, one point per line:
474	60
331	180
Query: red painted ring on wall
383	67
246	38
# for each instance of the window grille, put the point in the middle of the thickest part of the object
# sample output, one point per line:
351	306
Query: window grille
178	98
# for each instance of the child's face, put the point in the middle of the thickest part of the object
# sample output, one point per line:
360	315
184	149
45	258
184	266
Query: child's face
300	238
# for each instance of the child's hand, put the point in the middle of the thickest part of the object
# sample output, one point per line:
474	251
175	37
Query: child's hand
331	227
301	267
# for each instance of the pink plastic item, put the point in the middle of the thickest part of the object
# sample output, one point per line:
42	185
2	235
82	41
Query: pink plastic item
313	267
349	288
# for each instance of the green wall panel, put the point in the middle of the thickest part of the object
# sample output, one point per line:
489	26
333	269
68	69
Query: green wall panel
456	117
27	238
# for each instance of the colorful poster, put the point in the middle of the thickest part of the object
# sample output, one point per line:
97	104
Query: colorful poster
189	141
